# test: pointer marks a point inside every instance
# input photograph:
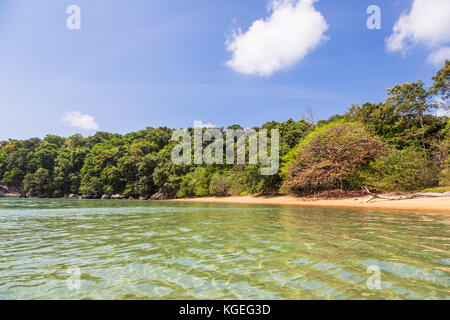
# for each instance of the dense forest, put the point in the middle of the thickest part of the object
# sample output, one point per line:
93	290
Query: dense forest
398	145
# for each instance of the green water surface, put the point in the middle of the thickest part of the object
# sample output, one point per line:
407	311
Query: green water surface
157	250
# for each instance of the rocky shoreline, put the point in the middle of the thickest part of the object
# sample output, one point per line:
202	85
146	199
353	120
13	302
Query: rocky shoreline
11	192
79	197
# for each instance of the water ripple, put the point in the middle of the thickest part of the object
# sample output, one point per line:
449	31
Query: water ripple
155	250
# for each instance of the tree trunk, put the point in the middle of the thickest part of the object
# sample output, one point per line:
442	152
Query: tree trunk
423	133
407	196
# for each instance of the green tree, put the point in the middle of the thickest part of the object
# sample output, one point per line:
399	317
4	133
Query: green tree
332	156
441	85
219	185
195	183
91	186
39	184
402	170
411	101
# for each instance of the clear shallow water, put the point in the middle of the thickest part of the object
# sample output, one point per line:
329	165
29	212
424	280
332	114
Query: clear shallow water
154	250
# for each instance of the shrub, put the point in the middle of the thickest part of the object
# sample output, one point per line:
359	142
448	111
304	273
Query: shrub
257	183
444	178
219	185
236	179
402	170
195	183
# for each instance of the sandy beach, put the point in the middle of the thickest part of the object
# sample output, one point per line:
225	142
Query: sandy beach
437	205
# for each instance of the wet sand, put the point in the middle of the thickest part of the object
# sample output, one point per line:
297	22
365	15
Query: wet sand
438	205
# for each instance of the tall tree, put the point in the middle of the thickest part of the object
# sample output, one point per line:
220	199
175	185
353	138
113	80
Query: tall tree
411	101
330	157
441	85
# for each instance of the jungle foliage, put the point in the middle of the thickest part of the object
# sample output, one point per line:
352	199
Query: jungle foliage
400	144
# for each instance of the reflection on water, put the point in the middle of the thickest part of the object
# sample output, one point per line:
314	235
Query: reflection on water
154	250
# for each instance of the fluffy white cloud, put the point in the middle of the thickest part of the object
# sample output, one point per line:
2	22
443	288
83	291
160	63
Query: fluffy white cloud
443	112
293	29
82	121
427	23
200	124
438	57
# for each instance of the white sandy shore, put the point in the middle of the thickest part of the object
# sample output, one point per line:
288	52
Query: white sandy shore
437	205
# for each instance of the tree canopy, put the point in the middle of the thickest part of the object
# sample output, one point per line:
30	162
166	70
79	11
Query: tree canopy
396	144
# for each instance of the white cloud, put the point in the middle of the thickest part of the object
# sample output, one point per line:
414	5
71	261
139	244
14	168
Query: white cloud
443	112
293	29
200	124
427	23
82	121
438	57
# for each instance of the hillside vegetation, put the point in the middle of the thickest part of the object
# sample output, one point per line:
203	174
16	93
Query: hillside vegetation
398	145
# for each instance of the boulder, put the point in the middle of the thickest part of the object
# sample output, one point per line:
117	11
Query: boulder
106	197
143	198
10	195
10	190
117	197
164	194
3	189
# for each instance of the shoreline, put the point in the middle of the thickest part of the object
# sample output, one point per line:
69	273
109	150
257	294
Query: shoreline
422	204
430	205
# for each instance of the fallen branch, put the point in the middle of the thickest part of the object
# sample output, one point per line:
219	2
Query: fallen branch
404	197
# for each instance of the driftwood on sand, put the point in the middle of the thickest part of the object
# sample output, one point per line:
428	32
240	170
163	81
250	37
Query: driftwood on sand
406	196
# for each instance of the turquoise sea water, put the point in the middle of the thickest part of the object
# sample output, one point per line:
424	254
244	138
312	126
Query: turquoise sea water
94	249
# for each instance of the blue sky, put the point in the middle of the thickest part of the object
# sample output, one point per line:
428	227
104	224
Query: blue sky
156	63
